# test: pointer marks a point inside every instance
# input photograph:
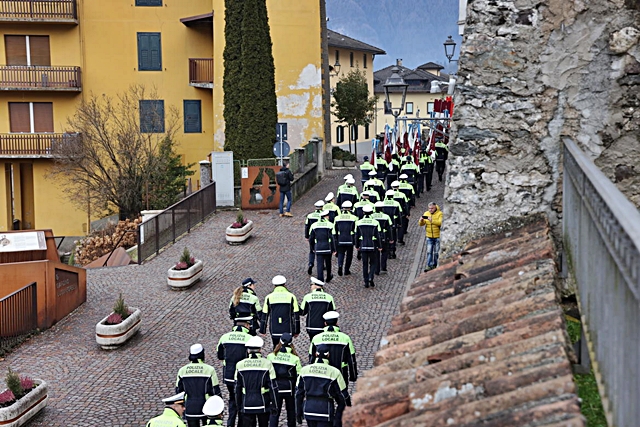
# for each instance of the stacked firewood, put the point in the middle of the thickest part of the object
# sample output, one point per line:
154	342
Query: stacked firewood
123	234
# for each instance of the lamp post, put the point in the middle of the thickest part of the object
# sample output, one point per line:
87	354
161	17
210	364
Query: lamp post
450	49
394	83
334	69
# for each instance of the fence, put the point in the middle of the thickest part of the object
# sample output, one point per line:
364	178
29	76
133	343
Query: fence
40	77
200	70
601	233
41	10
33	144
18	316
163	229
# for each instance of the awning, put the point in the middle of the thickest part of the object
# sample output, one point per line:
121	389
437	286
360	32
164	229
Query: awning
206	19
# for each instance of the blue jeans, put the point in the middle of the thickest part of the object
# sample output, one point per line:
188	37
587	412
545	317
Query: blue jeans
433	248
288	194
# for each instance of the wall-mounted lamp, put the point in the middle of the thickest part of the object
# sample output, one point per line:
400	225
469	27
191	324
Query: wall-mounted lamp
334	69
450	49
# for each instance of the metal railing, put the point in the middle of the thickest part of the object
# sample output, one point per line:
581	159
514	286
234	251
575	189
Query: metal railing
165	228
201	70
38	10
18	316
22	77
32	144
601	234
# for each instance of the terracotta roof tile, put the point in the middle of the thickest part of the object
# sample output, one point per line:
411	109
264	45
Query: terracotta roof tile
479	341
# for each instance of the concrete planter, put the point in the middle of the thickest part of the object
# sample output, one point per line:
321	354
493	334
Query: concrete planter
237	236
349	163
26	408
110	337
183	279
338	163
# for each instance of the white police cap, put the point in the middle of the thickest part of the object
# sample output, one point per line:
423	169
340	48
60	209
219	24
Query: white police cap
254	342
324	212
213	406
372	173
329	197
279	279
331	315
351	181
379	204
319	204
348	176
404	176
176	398
317	281
367	208
390	193
395	184
347	204
196	349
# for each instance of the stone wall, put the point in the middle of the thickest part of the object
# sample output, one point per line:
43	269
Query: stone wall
532	73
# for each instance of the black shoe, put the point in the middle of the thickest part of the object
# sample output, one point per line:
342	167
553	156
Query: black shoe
373	285
359	256
340	271
383	271
402	243
310	269
347	273
366	284
329	277
377	273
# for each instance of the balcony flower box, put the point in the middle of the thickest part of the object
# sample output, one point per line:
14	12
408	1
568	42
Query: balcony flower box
183	279
110	337
25	408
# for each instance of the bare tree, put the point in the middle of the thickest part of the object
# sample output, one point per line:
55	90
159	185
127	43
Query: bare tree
121	145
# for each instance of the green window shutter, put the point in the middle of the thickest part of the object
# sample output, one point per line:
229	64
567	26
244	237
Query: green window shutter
192	116
149	52
148	2
152	116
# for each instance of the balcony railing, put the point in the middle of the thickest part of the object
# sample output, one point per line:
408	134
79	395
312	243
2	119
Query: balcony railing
32	144
62	11
19	77
201	72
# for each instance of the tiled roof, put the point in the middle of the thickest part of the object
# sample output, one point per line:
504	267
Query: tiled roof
430	66
345	42
419	80
478	341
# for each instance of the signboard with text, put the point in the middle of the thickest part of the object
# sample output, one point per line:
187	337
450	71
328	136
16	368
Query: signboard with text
23	241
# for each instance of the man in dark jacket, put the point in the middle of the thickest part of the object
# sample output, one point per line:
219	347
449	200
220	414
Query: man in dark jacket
321	235
368	243
284	179
442	154
280	311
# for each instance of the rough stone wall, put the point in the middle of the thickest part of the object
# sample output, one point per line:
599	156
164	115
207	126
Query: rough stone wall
532	73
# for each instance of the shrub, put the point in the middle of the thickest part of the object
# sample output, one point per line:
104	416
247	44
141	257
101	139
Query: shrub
186	260
240	222
121	309
13	383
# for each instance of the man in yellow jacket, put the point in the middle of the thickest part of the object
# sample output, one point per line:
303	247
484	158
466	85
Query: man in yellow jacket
432	221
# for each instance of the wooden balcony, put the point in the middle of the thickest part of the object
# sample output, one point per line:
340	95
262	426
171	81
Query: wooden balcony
201	72
40	11
33	145
18	77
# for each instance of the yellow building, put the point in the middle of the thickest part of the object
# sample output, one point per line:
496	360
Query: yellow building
346	54
59	52
419	99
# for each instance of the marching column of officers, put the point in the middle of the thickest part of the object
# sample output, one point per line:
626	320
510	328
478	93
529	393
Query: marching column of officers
373	222
260	387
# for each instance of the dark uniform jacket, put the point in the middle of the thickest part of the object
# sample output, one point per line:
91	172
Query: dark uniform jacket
199	381
281	312
342	353
322	237
249	302
368	234
311	219
386	225
231	350
442	152
314	305
347	192
393	209
345	229
320	386
287	366
256	386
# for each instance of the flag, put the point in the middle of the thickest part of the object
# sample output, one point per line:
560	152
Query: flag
374	145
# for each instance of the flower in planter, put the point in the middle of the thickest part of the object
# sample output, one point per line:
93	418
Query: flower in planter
186	260
120	312
240	222
6	398
17	387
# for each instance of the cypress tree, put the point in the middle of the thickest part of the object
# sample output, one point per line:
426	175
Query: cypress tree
252	75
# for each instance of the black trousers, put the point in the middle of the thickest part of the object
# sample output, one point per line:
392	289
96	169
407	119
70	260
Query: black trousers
429	176
233	408
312	334
250	419
390	178
369	265
319	424
196	421
382	260
419	183
345	256
323	261
290	405
440	164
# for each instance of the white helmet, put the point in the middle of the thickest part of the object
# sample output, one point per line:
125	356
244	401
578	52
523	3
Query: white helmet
213	406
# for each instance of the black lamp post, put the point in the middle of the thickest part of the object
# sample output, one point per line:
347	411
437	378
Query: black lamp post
335	69
450	49
394	83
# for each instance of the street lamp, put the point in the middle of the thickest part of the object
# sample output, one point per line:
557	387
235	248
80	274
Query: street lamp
450	49
334	69
393	83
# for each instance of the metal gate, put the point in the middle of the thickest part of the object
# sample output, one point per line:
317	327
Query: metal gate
259	189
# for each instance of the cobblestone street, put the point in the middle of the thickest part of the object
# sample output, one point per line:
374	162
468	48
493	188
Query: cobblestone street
91	387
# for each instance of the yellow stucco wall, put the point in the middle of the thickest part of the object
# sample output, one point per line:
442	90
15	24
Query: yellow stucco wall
296	37
419	100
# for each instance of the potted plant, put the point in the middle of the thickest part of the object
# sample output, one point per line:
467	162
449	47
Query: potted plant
337	156
240	230
349	159
186	272
22	400
116	329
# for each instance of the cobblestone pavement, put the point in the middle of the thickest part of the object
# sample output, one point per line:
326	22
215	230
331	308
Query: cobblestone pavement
90	387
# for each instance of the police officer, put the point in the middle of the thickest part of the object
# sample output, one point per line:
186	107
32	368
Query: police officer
314	305
324	245
365	168
402	200
348	191
394	168
214	408
172	414
345	236
430	166
412	171
198	381
393	209
281	311
382	167
386	236
257	389
408	191
342	353
364	200
231	349
442	154
330	206
375	185
245	299
320	386
368	243
311	219
287	365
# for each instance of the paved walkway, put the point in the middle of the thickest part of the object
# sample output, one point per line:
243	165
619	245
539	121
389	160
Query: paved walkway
90	387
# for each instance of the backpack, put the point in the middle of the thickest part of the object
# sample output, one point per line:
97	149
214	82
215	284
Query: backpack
281	178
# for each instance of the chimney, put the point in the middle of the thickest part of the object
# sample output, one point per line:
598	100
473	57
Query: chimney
399	62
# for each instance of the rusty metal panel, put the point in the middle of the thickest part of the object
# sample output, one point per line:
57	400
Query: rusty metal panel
259	189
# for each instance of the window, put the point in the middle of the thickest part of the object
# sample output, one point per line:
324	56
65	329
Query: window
364	60
430	106
152	116
340	134
354	133
27	50
351	58
192	116
366	132
149	52
31	117
409	108
148	2
387	107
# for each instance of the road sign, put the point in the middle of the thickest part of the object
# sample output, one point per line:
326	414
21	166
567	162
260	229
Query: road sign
281	131
281	149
